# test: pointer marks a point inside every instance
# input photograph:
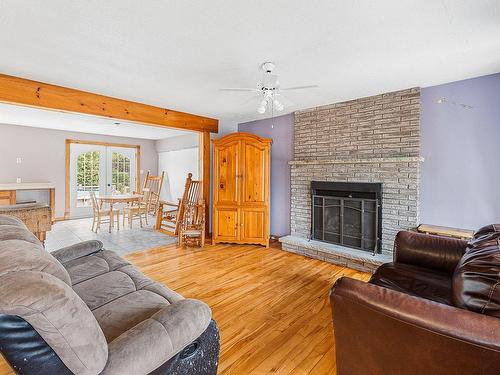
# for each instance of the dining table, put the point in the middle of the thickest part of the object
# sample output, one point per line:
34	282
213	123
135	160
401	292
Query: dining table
118	198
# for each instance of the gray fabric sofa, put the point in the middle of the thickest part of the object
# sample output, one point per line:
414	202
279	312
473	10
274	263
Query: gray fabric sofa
85	310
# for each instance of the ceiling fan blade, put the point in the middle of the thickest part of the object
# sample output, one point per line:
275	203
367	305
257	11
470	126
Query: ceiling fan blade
239	89
299	87
254	99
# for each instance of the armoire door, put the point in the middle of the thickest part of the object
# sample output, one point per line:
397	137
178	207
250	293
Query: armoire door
253	223
254	192
255	174
226	192
226	227
227	169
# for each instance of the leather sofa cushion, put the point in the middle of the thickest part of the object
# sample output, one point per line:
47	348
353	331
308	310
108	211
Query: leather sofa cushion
476	281
416	281
492	228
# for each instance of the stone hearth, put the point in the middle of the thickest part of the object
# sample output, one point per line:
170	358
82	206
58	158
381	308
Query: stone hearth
373	139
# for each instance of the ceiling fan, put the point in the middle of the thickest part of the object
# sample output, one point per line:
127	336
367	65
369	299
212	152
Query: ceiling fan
269	90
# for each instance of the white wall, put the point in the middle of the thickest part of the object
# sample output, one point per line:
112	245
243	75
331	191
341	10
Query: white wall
43	153
177	164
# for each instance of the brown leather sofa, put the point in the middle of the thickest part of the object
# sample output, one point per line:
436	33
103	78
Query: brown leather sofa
434	310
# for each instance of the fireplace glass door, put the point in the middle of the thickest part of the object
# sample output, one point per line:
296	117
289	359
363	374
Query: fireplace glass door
345	221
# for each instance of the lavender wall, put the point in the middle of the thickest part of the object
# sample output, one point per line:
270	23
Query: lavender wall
281	153
460	182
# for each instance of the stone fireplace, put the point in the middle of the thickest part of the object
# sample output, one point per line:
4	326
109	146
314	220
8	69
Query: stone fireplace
373	141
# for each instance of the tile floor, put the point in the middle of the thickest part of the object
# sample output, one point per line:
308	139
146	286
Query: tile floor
123	241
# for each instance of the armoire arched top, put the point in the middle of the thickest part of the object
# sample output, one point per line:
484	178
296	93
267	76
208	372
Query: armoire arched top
241	136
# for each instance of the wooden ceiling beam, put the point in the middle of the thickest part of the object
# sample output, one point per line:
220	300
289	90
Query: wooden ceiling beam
20	91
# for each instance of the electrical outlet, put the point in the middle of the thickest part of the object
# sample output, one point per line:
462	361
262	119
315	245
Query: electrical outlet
18	180
19	160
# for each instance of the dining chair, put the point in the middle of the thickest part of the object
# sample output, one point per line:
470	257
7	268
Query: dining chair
137	210
102	215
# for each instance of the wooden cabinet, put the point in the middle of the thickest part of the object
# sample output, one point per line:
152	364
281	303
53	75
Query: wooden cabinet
7	197
241	189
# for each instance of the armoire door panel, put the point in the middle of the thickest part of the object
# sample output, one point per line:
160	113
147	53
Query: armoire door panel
254	173
226	222
253	225
226	162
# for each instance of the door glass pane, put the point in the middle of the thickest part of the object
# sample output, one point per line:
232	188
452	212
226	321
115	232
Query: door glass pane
120	173
87	177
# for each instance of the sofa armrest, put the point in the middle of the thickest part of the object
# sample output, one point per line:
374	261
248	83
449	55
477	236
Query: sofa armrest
149	344
379	330
77	250
428	251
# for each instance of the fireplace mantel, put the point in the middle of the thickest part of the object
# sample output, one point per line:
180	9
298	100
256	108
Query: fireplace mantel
395	159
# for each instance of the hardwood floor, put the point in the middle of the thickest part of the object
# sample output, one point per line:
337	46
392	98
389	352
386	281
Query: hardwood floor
271	306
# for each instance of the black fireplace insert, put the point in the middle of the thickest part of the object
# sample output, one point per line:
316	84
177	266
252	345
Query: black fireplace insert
347	213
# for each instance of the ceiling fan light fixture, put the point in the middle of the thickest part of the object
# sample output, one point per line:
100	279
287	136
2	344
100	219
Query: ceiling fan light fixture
261	110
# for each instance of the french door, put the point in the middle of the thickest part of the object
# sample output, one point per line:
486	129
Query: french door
102	170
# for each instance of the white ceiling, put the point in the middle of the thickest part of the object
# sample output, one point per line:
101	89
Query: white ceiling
177	53
26	116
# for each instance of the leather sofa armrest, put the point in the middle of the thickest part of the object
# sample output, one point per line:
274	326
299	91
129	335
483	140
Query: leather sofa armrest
428	251
389	332
77	250
149	344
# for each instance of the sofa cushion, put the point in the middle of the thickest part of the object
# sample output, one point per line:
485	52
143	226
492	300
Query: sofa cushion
85	268
11	220
492	228
17	232
157	339
20	255
119	315
416	281
119	295
476	281
59	316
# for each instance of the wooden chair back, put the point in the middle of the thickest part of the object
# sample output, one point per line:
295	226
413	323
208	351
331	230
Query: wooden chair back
170	215
95	204
191	194
153	184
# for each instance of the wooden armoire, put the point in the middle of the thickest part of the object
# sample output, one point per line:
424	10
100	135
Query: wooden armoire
241	189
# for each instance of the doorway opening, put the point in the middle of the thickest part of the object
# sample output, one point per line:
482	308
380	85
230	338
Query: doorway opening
99	168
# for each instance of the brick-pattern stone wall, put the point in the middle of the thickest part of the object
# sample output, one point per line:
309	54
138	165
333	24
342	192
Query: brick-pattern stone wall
373	139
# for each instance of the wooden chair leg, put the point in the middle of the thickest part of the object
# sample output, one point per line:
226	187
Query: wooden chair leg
118	220
93	223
